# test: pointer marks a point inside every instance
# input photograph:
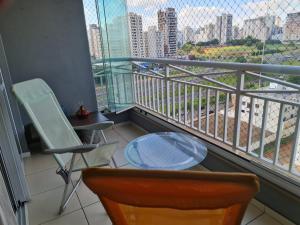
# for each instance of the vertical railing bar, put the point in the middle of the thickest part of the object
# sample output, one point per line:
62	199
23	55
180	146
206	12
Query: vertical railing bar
149	93
157	94
124	88
225	119
185	104
278	133
199	107
263	129
145	91
142	89
167	90
216	114
173	100
117	78
179	102
101	81
238	102
192	108
295	145
153	94
207	111
132	87
250	125
139	90
162	96
135	88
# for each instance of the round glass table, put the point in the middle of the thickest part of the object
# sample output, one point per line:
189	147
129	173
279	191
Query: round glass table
165	151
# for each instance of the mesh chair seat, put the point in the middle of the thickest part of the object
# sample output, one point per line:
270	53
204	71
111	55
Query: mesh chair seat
98	157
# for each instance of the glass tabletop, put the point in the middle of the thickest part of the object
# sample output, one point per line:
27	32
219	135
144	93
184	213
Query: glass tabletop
165	150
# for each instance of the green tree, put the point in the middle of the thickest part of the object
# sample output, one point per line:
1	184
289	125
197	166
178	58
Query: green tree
294	79
187	47
241	59
249	41
291	44
259	45
208	43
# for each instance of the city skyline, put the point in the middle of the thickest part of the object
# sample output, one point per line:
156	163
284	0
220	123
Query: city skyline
199	13
267	27
167	39
190	12
164	39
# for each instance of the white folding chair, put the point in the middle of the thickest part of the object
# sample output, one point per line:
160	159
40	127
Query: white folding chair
59	136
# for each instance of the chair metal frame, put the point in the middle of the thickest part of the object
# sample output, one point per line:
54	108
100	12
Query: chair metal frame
66	174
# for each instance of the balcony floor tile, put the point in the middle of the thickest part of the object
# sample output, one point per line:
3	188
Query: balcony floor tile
85	195
44	207
130	131
74	218
96	215
265	219
38	162
251	214
44	181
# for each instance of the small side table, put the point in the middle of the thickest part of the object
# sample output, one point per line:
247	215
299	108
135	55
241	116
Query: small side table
93	117
165	151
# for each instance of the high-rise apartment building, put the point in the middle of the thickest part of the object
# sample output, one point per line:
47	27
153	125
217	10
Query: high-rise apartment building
209	32
260	28
223	28
95	41
136	35
155	43
292	27
200	35
188	34
226	28
179	39
146	43
218	27
167	25
236	33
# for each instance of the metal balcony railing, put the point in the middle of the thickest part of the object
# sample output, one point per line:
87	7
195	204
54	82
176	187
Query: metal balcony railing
251	108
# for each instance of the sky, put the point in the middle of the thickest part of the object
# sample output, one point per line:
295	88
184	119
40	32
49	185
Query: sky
195	13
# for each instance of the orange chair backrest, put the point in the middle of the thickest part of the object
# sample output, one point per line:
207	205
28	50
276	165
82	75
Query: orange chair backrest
149	197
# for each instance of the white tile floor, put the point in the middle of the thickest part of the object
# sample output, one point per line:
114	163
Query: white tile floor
85	209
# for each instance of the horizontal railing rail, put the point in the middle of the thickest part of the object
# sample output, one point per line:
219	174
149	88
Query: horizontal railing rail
267	68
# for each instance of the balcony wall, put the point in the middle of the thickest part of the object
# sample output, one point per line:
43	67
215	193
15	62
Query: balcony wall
47	39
